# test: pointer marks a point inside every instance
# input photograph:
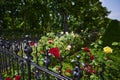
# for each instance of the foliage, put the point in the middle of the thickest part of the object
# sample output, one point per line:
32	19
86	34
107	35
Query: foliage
61	47
52	15
65	42
112	32
96	60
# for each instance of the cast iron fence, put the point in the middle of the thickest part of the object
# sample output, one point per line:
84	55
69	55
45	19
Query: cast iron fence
13	63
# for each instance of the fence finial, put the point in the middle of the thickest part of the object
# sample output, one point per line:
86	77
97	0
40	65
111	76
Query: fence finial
77	72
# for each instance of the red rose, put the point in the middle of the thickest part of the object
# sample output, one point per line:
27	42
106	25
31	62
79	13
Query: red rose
86	49
82	68
62	58
17	77
88	69
92	57
8	78
87	65
69	70
32	43
55	52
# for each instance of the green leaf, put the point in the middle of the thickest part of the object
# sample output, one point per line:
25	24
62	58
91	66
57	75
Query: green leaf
115	43
20	25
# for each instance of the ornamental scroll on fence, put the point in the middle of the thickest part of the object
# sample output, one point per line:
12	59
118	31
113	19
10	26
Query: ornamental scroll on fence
16	63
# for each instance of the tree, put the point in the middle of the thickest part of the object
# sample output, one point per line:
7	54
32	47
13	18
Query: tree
54	15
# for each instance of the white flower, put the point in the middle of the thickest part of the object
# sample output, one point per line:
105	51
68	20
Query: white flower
61	32
68	47
66	33
73	60
35	44
83	64
73	34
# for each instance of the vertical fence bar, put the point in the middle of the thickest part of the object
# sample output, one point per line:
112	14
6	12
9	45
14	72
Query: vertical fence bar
16	50
102	71
22	65
60	62
1	64
29	69
13	65
22	47
28	51
1	59
8	56
36	52
2	53
5	57
22	69
47	62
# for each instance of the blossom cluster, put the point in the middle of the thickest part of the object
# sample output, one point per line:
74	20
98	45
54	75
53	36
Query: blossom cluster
17	77
68	46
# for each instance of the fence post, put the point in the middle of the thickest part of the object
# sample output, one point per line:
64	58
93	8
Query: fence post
28	51
47	62
1	61
16	50
10	61
7	56
102	71
77	72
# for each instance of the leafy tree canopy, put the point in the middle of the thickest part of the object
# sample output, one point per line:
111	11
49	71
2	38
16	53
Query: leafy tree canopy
53	15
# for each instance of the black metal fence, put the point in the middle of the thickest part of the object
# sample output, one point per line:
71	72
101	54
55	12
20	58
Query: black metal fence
13	62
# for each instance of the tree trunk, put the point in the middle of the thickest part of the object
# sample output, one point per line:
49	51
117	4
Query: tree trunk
65	25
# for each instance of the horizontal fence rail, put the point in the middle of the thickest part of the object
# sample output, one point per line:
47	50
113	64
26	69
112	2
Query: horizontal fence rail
16	59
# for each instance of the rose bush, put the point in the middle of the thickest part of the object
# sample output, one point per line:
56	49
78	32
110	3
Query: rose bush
95	58
66	43
59	46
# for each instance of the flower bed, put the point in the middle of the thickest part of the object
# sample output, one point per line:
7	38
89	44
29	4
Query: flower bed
95	60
